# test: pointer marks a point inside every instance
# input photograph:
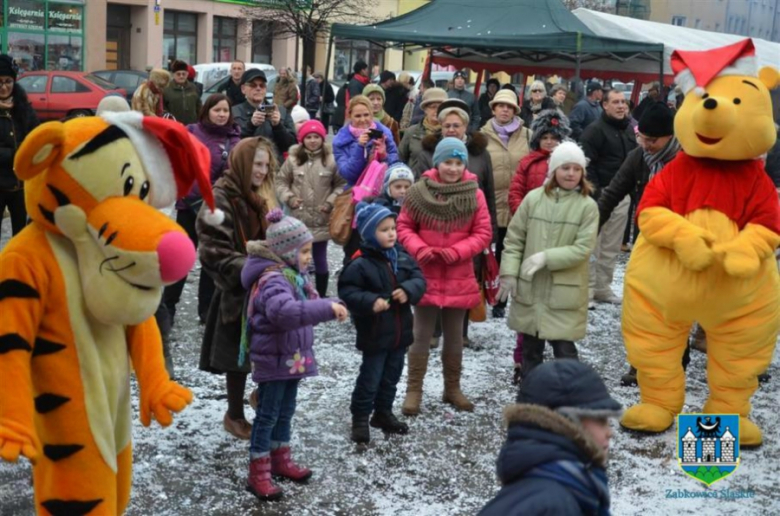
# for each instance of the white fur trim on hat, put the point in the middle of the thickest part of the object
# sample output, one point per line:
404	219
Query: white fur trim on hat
742	66
153	156
566	152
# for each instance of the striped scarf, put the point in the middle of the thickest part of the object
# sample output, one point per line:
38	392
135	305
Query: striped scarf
655	162
588	485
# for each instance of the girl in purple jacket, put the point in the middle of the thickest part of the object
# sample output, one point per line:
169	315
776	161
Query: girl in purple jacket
282	308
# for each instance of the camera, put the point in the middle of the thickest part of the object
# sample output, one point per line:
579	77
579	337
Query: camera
375	134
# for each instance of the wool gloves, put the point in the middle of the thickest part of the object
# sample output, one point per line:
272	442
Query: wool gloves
507	288
533	264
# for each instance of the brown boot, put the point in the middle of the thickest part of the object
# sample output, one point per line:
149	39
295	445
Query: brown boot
239	428
452	365
418	365
699	340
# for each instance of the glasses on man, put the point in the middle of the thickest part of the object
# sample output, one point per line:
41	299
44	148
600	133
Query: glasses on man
6	82
256	85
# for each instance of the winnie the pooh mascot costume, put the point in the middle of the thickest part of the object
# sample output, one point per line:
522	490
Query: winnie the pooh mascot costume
78	290
709	222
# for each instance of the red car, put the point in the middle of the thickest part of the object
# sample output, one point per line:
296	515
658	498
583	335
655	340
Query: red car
56	95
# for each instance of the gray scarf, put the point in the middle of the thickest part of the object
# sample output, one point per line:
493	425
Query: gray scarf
655	162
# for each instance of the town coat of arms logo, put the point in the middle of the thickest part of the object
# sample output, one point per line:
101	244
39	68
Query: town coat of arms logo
708	445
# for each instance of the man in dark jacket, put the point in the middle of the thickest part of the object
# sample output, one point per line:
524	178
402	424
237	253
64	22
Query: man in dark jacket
396	95
232	88
256	117
180	97
485	113
653	96
587	110
458	91
607	143
358	81
557	445
17	119
314	94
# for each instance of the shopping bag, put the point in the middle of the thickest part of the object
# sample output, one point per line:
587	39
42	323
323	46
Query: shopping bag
490	274
370	182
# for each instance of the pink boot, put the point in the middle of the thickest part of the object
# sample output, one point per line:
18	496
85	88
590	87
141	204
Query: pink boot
282	465
259	482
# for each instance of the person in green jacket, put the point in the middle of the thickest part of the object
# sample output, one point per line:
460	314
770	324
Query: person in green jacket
544	267
180	97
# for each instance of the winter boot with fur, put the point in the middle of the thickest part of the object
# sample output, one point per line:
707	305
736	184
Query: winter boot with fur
699	339
321	283
259	482
417	367
360	432
388	423
452	366
283	466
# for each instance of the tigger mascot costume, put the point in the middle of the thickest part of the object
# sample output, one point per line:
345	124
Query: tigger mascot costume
78	290
710	223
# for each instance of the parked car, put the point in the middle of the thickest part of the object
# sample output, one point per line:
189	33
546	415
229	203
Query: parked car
56	95
129	80
439	78
210	73
269	94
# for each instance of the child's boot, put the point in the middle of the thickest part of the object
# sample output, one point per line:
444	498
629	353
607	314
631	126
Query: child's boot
360	431
387	421
453	365
259	482
282	465
418	366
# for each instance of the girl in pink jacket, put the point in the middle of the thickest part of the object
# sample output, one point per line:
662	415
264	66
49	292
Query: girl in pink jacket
443	224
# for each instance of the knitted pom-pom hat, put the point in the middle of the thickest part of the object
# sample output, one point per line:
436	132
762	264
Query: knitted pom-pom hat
285	236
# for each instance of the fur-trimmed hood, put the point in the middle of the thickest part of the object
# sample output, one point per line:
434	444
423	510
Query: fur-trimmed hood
537	435
259	259
476	144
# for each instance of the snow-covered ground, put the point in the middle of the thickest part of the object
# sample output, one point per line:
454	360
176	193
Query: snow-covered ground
445	466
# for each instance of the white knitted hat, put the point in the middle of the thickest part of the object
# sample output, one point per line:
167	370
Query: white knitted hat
566	152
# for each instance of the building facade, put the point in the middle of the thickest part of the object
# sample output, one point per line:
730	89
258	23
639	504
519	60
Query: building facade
750	18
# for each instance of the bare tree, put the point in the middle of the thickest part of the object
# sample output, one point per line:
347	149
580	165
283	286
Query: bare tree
604	6
310	21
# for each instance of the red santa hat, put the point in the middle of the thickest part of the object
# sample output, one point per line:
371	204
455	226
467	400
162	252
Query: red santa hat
694	70
173	158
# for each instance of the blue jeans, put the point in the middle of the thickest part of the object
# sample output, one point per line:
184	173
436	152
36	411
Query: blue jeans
376	384
273	418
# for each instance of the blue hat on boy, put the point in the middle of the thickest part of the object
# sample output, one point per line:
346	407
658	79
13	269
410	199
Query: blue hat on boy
368	218
450	148
397	172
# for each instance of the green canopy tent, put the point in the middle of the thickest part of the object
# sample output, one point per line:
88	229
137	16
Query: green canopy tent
528	36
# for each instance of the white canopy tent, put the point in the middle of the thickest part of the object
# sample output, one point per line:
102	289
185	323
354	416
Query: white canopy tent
671	36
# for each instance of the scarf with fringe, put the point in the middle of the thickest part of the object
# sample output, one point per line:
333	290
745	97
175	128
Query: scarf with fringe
430	128
655	162
444	207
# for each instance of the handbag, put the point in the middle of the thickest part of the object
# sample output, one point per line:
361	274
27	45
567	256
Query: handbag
340	223
479	312
490	274
370	182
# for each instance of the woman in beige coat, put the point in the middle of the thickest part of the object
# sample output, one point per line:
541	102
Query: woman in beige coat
308	184
148	97
508	143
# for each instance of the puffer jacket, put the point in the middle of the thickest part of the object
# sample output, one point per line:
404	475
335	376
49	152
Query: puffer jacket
536	436
286	93
480	165
449	285
315	184
15	125
281	340
352	159
606	143
531	173
183	102
553	304
218	140
369	277
505	161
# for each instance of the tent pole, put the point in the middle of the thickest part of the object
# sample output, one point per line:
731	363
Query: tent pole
478	85
580	83
429	64
327	59
662	71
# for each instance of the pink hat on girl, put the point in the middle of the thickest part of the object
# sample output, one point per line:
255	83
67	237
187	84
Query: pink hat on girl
312	126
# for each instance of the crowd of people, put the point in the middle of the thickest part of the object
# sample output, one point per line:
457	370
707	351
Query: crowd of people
547	181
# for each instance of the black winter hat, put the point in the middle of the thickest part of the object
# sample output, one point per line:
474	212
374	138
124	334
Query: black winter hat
570	387
550	121
252	74
386	76
657	120
359	66
179	66
7	66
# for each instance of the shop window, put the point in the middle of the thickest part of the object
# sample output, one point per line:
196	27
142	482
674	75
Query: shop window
64	52
225	30
349	52
180	37
60	84
65	18
262	41
26	14
27	50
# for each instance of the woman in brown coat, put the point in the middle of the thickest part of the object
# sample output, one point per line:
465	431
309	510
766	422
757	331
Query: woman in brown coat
245	194
286	90
148	98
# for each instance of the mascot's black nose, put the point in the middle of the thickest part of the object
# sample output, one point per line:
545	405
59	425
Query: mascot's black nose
710	104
